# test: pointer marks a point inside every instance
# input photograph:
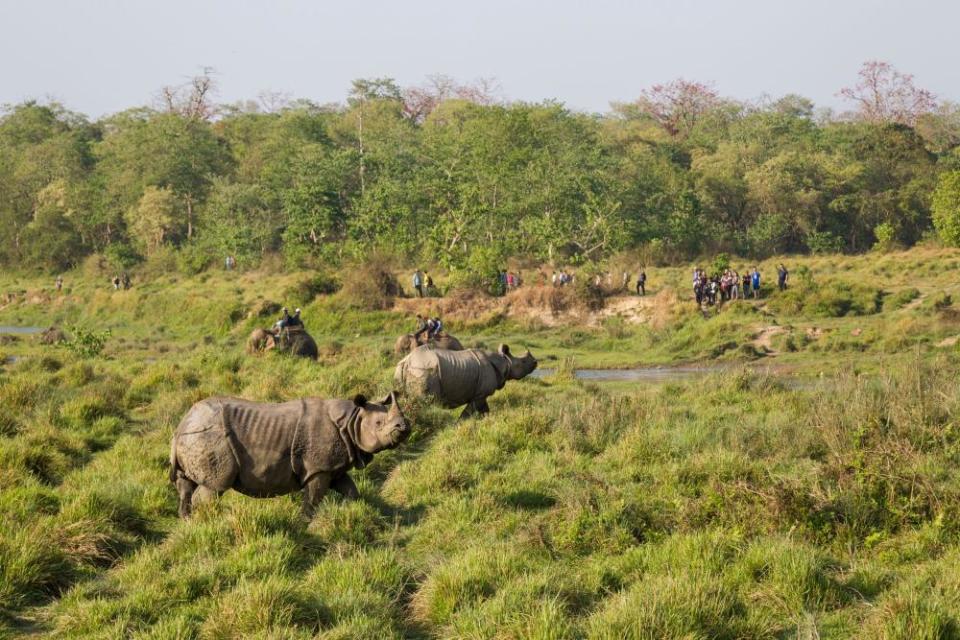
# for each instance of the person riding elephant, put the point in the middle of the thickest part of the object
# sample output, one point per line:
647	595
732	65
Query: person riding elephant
408	342
294	340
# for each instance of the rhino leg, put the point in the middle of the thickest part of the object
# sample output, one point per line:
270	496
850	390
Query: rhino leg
344	486
313	492
475	406
185	489
205	494
468	411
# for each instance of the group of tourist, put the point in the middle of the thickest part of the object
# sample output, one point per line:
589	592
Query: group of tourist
508	281
422	283
730	285
287	321
427	326
120	280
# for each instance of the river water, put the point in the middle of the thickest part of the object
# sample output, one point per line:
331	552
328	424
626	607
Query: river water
24	331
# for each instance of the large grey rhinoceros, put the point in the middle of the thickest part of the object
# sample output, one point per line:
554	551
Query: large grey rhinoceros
457	378
408	342
270	449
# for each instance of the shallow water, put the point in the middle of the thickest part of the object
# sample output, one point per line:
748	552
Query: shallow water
639	374
5	328
656	375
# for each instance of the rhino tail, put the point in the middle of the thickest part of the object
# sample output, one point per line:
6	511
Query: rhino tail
174	466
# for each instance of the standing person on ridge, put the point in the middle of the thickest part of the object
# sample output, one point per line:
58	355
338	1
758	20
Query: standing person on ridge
418	282
755	283
782	275
642	283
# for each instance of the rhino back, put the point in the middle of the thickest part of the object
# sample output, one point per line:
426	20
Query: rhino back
264	435
465	376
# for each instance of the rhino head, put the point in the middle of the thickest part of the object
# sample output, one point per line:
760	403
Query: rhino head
382	425
519	367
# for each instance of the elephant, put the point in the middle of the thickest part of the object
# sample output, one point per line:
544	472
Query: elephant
266	449
407	343
260	340
53	335
457	378
292	340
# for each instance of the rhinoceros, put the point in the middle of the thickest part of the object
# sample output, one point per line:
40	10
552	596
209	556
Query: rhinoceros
407	343
457	378
271	449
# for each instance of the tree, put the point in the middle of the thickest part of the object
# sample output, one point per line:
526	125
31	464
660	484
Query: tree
885	95
193	99
675	106
154	219
420	101
147	149
946	208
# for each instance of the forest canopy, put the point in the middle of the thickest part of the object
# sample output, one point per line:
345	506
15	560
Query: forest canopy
450	173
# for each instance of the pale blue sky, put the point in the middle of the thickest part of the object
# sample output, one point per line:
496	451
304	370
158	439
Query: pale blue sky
100	56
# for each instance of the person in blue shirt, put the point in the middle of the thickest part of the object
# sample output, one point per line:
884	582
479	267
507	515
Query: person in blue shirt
418	282
755	282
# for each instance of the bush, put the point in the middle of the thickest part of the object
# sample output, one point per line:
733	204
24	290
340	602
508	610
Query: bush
832	299
823	242
900	299
305	290
121	256
87	344
371	286
886	234
721	262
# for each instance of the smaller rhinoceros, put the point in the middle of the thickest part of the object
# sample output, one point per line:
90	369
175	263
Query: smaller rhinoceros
457	378
269	449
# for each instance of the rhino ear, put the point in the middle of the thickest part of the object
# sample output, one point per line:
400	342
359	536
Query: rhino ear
360	400
390	398
504	349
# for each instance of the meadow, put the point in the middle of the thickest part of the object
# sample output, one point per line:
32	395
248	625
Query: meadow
804	488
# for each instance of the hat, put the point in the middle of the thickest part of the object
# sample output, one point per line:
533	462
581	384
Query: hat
298	310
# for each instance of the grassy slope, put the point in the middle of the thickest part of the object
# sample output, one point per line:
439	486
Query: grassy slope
733	506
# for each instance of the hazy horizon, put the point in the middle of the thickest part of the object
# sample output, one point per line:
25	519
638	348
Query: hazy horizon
119	54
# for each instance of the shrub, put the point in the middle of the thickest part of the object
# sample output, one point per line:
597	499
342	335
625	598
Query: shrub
371	286
833	299
886	234
305	290
900	299
720	263
945	208
87	344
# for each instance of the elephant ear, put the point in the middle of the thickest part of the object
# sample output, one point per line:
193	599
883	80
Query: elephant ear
504	349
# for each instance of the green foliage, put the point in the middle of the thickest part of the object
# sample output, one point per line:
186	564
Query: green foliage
87	344
823	242
885	233
946	208
319	185
720	263
830	299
